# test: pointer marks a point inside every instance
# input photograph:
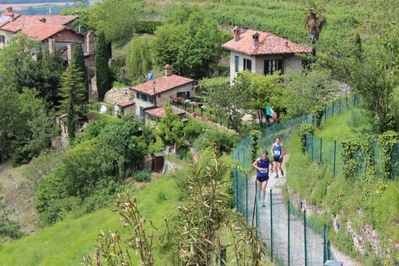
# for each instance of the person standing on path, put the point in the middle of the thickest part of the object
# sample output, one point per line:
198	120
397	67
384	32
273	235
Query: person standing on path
278	151
262	175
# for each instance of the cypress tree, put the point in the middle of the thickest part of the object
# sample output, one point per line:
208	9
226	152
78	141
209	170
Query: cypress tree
102	69
78	60
71	119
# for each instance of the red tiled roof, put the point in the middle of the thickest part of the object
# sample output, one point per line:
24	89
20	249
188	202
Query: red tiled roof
42	31
268	44
23	22
125	104
161	84
5	17
160	112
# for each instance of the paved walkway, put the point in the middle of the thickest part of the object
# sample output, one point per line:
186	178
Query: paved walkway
280	228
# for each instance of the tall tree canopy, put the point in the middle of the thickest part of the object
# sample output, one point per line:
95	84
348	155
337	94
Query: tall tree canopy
118	19
314	21
103	76
78	60
189	41
138	59
370	70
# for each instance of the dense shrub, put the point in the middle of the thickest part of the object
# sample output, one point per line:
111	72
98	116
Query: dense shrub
142	176
148	26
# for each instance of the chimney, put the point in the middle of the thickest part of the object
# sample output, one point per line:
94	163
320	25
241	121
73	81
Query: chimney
11	17
90	42
50	45
255	37
168	70
153	86
70	47
9	9
237	33
286	44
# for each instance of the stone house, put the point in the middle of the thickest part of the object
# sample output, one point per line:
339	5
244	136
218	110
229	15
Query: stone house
53	31
156	93
263	53
49	29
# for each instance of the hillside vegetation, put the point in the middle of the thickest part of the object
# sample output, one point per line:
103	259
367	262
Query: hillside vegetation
358	46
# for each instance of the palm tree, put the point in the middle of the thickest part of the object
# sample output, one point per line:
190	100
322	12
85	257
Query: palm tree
314	22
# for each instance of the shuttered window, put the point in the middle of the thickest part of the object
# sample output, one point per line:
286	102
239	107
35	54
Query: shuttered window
247	64
272	66
236	63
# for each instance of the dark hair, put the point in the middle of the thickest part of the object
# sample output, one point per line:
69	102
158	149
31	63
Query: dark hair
265	152
277	138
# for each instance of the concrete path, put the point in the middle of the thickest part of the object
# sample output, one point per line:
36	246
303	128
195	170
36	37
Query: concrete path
280	227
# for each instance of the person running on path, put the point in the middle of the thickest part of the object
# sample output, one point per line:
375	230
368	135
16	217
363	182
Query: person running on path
278	151
262	175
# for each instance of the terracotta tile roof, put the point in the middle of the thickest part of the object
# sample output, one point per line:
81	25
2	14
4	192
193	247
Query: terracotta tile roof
23	22
42	31
159	112
161	84
268	44
125	104
5	17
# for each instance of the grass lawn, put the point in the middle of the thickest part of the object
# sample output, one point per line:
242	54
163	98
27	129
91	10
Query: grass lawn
67	242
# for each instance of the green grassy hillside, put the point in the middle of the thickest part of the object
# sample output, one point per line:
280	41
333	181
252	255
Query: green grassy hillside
67	242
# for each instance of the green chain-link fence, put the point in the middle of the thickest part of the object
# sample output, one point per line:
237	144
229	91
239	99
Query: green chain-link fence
289	237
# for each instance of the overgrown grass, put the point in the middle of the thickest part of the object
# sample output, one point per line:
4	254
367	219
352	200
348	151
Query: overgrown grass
354	200
67	242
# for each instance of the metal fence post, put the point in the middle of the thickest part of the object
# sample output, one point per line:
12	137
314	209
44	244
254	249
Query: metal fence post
271	226
246	197
324	244
312	146
321	149
304	238
335	155
289	235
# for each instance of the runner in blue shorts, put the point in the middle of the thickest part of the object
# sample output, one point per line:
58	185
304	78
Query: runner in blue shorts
262	174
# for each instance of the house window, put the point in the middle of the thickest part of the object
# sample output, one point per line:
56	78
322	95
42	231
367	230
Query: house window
2	39
137	95
142	111
152	100
236	63
272	66
144	97
184	94
247	64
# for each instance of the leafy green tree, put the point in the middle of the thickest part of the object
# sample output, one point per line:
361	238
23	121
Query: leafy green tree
78	60
9	117
373	74
189	41
307	90
170	128
52	67
103	76
117	19
138	59
231	102
265	89
19	65
39	121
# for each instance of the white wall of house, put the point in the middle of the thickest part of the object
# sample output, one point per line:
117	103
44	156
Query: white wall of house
7	36
233	68
290	62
